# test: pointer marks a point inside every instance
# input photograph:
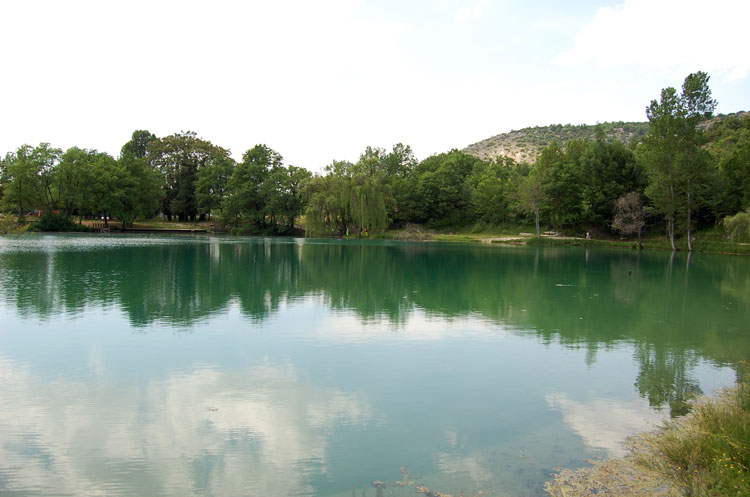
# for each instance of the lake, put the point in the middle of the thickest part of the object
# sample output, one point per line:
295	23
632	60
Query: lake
220	366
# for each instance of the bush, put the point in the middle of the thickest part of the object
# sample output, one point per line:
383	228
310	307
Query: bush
8	224
707	453
738	226
57	222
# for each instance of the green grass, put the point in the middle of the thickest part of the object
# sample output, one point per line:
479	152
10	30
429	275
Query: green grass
708	451
705	242
708	241
164	224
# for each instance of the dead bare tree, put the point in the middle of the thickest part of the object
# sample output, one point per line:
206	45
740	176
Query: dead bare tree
629	215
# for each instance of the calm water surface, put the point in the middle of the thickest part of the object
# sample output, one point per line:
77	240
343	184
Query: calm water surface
245	366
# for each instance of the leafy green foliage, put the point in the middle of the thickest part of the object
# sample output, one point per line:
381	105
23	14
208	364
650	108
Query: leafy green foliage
443	193
179	158
50	221
672	152
28	178
609	171
371	194
729	145
738	226
261	195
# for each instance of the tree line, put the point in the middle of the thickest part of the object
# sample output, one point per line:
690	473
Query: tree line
181	176
680	175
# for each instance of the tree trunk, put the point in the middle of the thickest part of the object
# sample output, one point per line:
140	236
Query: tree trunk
538	233
689	230
671	234
640	245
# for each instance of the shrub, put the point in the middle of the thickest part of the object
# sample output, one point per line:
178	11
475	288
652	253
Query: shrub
738	226
708	452
57	222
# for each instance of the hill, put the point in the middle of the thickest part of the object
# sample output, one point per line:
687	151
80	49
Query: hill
525	145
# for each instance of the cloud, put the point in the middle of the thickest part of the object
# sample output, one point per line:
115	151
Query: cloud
477	9
666	34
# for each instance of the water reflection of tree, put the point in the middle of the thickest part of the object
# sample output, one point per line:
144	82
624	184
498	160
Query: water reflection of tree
593	301
664	377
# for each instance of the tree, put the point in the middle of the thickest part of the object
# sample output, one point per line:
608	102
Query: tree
288	202
29	178
609	171
399	165
144	183
107	190
179	158
443	194
532	195
213	180
560	175
328	210
629	217
730	149
698	105
738	226
45	159
252	192
671	151
20	182
77	178
491	189
137	146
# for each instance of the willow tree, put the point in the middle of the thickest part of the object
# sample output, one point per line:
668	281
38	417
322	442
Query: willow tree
328	200
368	202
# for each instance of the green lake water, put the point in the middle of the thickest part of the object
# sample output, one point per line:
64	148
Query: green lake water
177	366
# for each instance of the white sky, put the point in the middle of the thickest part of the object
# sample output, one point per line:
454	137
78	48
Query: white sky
321	80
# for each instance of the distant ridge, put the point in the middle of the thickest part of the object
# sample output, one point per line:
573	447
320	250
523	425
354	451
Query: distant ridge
525	145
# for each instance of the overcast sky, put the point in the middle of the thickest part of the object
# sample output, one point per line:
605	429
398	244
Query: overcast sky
320	80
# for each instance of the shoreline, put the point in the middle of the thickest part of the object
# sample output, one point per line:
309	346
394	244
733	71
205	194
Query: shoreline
704	452
702	245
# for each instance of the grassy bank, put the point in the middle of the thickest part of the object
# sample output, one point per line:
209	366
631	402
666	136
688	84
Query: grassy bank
706	453
707	241
700	245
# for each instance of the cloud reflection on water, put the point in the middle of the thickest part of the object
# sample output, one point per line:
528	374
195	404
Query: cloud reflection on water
606	423
259	431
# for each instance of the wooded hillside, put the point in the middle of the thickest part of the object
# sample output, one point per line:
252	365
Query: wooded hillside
525	145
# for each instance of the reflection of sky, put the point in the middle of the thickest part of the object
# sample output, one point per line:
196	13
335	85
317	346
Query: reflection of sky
255	432
310	400
606	423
